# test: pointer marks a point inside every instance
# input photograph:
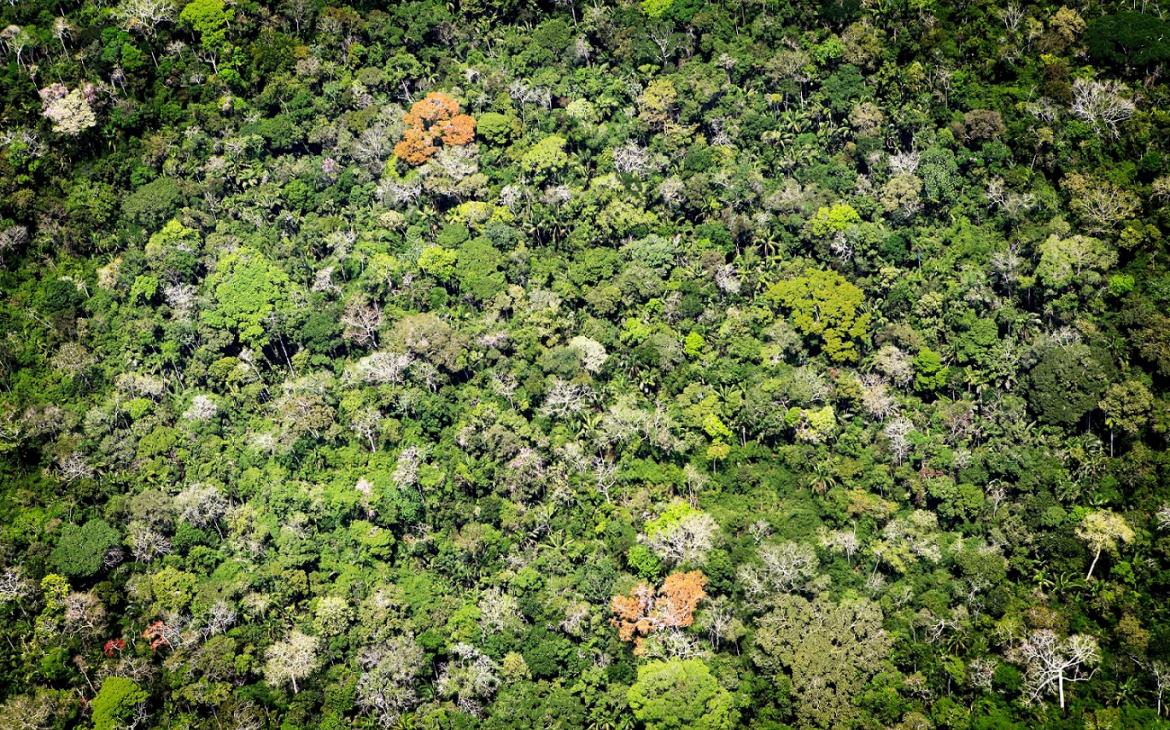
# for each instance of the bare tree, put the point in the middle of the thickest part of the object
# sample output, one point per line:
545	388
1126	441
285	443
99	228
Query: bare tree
471	678
366	423
1163	517
1160	672
296	657
147	543
1102	103
145	16
361	320
14	586
1012	16
201	505
566	399
633	159
1051	662
845	542
783	568
385	688
687	540
84	614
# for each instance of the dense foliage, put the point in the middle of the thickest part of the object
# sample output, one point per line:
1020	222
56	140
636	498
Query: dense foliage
517	364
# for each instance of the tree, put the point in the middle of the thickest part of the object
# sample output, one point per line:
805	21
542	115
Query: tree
1104	104
39	710
546	158
900	195
119	704
1074	260
681	534
173	251
1051	661
1066	384
145	16
929	372
825	304
813	425
80	551
1127	408
385	687
471	678
681	693
154	203
1099	203
1129	39
939	170
496	128
69	111
294	658
248	291
172	589
657	104
478	269
439	262
830	221
433	120
1101	530
783	568
210	19
433	339
830	650
644	612
361	320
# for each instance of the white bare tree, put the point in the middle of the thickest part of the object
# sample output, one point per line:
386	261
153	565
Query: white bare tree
1104	104
1050	662
201	505
366	423
385	688
292	659
566	399
633	159
1160	673
783	568
1163	517
361	320
145	16
687	540
13	585
471	678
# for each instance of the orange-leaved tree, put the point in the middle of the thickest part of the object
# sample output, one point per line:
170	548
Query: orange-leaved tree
645	611
433	120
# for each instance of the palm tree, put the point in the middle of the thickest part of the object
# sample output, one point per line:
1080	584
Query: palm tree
823	476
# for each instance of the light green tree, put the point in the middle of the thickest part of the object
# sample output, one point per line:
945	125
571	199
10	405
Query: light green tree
681	693
1074	260
437	261
248	290
1102	530
117	703
546	158
1127	408
210	19
838	218
825	304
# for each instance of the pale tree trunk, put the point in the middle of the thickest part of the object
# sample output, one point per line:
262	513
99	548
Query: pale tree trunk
1093	564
